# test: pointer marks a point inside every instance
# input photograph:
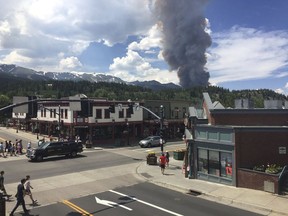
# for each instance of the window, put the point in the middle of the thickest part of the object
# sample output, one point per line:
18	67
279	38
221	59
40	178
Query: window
128	114
214	168
226	164
61	111
212	135
121	113
66	114
54	111
99	113
176	110
106	114
51	114
203	160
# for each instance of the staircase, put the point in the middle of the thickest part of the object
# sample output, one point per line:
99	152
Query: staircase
283	181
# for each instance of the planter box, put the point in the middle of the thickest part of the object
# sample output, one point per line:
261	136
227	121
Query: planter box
88	145
152	160
178	155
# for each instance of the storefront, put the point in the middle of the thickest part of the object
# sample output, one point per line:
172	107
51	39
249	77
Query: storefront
211	155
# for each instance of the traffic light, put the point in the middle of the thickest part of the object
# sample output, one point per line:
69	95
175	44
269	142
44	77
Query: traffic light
161	112
130	109
112	108
161	133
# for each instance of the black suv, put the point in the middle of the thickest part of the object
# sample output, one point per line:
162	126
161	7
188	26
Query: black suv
47	149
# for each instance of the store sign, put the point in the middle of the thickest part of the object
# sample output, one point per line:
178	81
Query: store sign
282	150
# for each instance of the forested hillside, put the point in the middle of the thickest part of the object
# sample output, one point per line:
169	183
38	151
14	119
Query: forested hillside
58	89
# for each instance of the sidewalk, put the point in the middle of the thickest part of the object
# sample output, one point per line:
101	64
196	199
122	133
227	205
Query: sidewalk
252	200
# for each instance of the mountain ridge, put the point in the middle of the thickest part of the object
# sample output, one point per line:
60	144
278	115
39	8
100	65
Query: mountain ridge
26	73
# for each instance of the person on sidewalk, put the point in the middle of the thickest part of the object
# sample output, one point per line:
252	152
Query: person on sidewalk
167	158
28	188
162	161
2	187
2	151
20	198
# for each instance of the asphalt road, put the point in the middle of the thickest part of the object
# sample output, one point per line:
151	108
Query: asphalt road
17	169
141	199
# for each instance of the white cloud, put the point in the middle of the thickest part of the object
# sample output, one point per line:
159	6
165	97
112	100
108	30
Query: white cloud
15	58
152	40
133	67
246	53
70	63
41	29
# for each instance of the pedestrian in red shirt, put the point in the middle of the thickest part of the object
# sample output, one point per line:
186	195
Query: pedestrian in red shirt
162	161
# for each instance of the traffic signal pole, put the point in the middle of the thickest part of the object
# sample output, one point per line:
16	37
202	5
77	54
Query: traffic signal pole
161	127
161	118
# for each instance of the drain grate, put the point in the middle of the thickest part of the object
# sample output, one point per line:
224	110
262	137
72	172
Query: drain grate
194	193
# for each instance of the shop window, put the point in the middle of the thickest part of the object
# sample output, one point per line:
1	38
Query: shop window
214	167
226	164
203	160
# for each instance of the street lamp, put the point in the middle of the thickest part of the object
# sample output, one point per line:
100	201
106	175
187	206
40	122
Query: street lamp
37	129
17	122
59	123
128	141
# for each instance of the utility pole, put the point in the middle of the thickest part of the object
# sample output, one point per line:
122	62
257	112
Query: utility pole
161	127
59	122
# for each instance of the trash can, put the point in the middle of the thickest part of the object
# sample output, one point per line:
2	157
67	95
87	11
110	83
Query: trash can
2	205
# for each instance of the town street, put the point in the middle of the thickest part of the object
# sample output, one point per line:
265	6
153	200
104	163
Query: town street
102	181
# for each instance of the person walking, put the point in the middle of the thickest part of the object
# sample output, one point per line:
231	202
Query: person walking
2	187
162	161
28	188
20	197
167	158
2	150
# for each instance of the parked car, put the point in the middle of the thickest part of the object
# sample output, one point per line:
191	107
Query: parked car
48	149
151	141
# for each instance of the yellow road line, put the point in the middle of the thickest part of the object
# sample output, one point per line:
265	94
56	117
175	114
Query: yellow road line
76	208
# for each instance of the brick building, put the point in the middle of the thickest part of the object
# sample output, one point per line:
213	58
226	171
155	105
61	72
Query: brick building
225	145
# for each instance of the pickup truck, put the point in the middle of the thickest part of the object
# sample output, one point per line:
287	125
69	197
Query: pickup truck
48	149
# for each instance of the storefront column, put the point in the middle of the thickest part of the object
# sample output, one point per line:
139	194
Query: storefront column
190	160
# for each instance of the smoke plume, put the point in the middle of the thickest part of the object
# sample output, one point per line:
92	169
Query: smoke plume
184	39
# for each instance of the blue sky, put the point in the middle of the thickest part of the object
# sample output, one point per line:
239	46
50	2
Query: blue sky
249	40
